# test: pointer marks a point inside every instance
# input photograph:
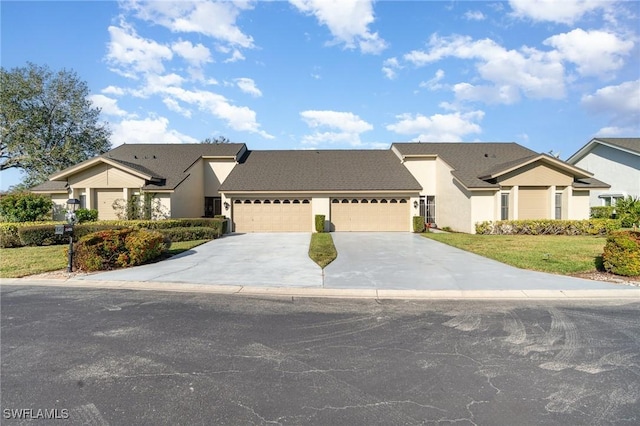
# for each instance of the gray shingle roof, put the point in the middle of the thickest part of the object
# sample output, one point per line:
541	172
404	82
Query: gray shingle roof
323	170
631	144
167	164
51	186
469	160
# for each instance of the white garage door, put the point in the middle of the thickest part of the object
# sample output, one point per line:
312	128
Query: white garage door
370	214
272	215
104	199
533	203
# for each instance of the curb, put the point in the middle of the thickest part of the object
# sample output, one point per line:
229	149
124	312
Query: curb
315	292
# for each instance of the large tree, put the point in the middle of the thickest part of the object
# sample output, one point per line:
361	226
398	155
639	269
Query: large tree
47	122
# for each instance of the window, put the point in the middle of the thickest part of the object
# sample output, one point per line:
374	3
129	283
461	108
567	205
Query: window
431	209
256	202
610	199
307	201
383	201
286	202
558	205
403	201
364	201
504	206
374	201
394	201
354	201
247	201
267	202
296	201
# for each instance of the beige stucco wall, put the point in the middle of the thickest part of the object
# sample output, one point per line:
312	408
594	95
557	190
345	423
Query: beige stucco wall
59	205
162	201
453	206
321	205
424	171
104	176
536	174
483	206
215	172
187	199
579	208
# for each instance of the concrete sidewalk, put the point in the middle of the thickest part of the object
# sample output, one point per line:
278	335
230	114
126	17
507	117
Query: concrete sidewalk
615	292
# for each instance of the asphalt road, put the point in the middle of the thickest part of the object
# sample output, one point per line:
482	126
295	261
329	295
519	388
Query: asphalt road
122	357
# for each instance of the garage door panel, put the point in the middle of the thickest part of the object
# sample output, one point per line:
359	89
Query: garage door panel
104	199
259	216
369	216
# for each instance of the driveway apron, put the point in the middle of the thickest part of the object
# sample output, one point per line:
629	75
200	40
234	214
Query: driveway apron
277	259
386	260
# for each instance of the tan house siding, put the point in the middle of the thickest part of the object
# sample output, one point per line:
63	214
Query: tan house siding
533	203
579	208
483	206
59	206
103	200
453	208
536	174
321	205
424	171
187	199
104	176
215	172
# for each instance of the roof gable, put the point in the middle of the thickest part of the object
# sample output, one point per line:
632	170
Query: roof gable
320	170
630	145
163	166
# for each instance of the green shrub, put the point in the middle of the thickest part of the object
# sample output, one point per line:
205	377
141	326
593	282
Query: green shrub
418	224
40	235
25	207
86	215
602	212
190	233
225	222
548	227
628	211
319	222
9	235
109	249
622	253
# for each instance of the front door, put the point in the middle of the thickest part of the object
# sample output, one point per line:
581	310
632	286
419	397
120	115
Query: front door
212	206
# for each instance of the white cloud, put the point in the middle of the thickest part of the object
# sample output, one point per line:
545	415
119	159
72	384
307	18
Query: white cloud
347	20
439	127
109	106
247	85
594	52
621	104
474	15
175	106
434	83
345	127
562	12
511	73
196	55
113	90
389	68
131	54
213	19
235	57
149	130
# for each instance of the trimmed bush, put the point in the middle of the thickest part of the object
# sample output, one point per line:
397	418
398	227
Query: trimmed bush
548	227
110	249
602	212
40	235
418	224
25	207
628	211
622	253
190	233
86	215
9	235
319	222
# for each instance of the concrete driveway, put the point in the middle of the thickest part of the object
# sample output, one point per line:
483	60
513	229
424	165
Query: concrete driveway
391	260
279	259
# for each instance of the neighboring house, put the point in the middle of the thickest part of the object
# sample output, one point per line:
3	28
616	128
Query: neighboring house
450	184
614	160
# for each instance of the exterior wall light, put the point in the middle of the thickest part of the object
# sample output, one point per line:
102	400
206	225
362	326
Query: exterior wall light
415	204
226	205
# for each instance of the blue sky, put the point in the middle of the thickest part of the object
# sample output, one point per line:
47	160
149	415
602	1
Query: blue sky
307	74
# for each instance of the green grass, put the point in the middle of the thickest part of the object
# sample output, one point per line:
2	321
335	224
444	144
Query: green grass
24	261
321	249
556	254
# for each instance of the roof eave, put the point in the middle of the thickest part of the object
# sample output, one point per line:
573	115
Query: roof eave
576	171
92	162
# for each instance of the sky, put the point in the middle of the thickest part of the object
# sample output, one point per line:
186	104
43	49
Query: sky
340	74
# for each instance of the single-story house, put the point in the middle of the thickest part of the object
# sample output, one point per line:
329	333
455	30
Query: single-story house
450	184
617	161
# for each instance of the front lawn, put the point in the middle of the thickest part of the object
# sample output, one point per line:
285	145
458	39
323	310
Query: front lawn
23	261
556	254
321	250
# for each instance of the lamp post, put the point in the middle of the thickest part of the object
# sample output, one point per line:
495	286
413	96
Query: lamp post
72	205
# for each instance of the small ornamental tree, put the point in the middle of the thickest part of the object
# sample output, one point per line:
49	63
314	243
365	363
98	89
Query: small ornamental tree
25	207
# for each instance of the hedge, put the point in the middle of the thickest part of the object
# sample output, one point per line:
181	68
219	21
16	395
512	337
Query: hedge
418	224
43	233
602	212
319	222
622	253
190	233
117	248
548	227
